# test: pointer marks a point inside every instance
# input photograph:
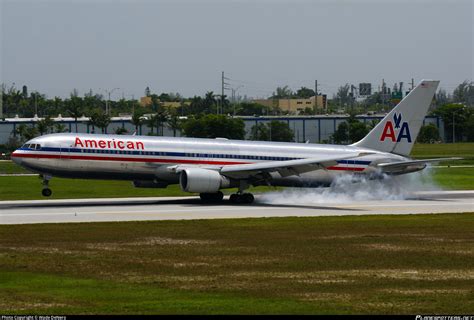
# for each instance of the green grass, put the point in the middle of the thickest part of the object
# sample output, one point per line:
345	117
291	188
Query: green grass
9	167
443	150
407	264
454	178
29	188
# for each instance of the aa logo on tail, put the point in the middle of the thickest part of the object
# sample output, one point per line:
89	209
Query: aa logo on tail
396	130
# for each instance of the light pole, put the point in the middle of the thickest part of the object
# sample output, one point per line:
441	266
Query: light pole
109	92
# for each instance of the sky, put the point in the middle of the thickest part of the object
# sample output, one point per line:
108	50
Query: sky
183	46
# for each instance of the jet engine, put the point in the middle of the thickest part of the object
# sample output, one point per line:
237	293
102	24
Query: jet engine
202	180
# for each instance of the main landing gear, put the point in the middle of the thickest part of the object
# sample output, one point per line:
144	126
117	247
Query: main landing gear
46	192
241	198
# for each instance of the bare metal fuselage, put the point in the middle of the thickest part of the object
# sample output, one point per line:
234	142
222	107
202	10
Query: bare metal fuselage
144	158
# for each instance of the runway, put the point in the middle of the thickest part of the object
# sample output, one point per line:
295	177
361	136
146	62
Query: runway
187	208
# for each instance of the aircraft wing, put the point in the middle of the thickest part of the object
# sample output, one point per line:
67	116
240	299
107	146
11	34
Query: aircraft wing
285	168
393	167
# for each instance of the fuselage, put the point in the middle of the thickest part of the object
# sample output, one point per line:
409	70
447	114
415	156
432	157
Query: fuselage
147	158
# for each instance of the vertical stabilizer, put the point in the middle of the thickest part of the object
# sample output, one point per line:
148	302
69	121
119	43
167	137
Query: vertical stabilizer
397	132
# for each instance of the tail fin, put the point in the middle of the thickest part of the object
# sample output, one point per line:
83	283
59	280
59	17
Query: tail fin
397	132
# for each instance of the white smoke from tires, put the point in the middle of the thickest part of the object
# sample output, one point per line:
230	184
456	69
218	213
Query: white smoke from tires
345	190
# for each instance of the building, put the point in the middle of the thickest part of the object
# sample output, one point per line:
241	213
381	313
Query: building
295	106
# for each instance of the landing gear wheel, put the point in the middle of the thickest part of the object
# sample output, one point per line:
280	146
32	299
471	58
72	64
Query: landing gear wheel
46	192
212	197
247	198
234	198
242	198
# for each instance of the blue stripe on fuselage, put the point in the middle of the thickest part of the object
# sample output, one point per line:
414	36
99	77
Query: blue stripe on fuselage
180	154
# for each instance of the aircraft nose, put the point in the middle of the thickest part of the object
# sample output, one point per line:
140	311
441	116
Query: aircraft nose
15	158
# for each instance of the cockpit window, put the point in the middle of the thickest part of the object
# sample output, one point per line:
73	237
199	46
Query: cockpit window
38	146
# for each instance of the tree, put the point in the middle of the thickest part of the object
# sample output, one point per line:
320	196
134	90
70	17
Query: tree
428	134
356	129
272	131
174	123
210	102
342	95
469	128
151	123
260	132
252	108
100	119
453	114
305	93
282	93
464	93
341	135
137	120
26	132
59	127
161	118
280	131
74	107
44	125
121	130
214	126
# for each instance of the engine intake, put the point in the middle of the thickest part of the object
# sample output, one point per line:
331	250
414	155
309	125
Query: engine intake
202	180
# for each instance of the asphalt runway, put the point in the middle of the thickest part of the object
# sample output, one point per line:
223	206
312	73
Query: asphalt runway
187	208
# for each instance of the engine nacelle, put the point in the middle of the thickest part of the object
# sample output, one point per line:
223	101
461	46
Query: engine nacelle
202	180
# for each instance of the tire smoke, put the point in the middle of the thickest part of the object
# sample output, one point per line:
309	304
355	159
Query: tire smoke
345	190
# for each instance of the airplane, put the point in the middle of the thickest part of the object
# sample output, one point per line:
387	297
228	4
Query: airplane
206	166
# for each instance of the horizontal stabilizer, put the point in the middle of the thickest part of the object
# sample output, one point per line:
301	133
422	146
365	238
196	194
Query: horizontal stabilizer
394	167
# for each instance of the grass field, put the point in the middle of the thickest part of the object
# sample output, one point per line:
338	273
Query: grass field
410	264
463	150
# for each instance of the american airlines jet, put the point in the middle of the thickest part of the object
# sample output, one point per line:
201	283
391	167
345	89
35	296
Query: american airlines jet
206	166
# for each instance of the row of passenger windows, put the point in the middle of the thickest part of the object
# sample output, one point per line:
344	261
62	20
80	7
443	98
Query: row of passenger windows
192	155
32	146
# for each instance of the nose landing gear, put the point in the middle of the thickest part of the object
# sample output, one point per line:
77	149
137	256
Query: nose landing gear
46	192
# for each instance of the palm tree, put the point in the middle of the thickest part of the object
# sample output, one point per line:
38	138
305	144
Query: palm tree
100	119
44	125
174	124
74	108
137	121
160	119
151	123
210	101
